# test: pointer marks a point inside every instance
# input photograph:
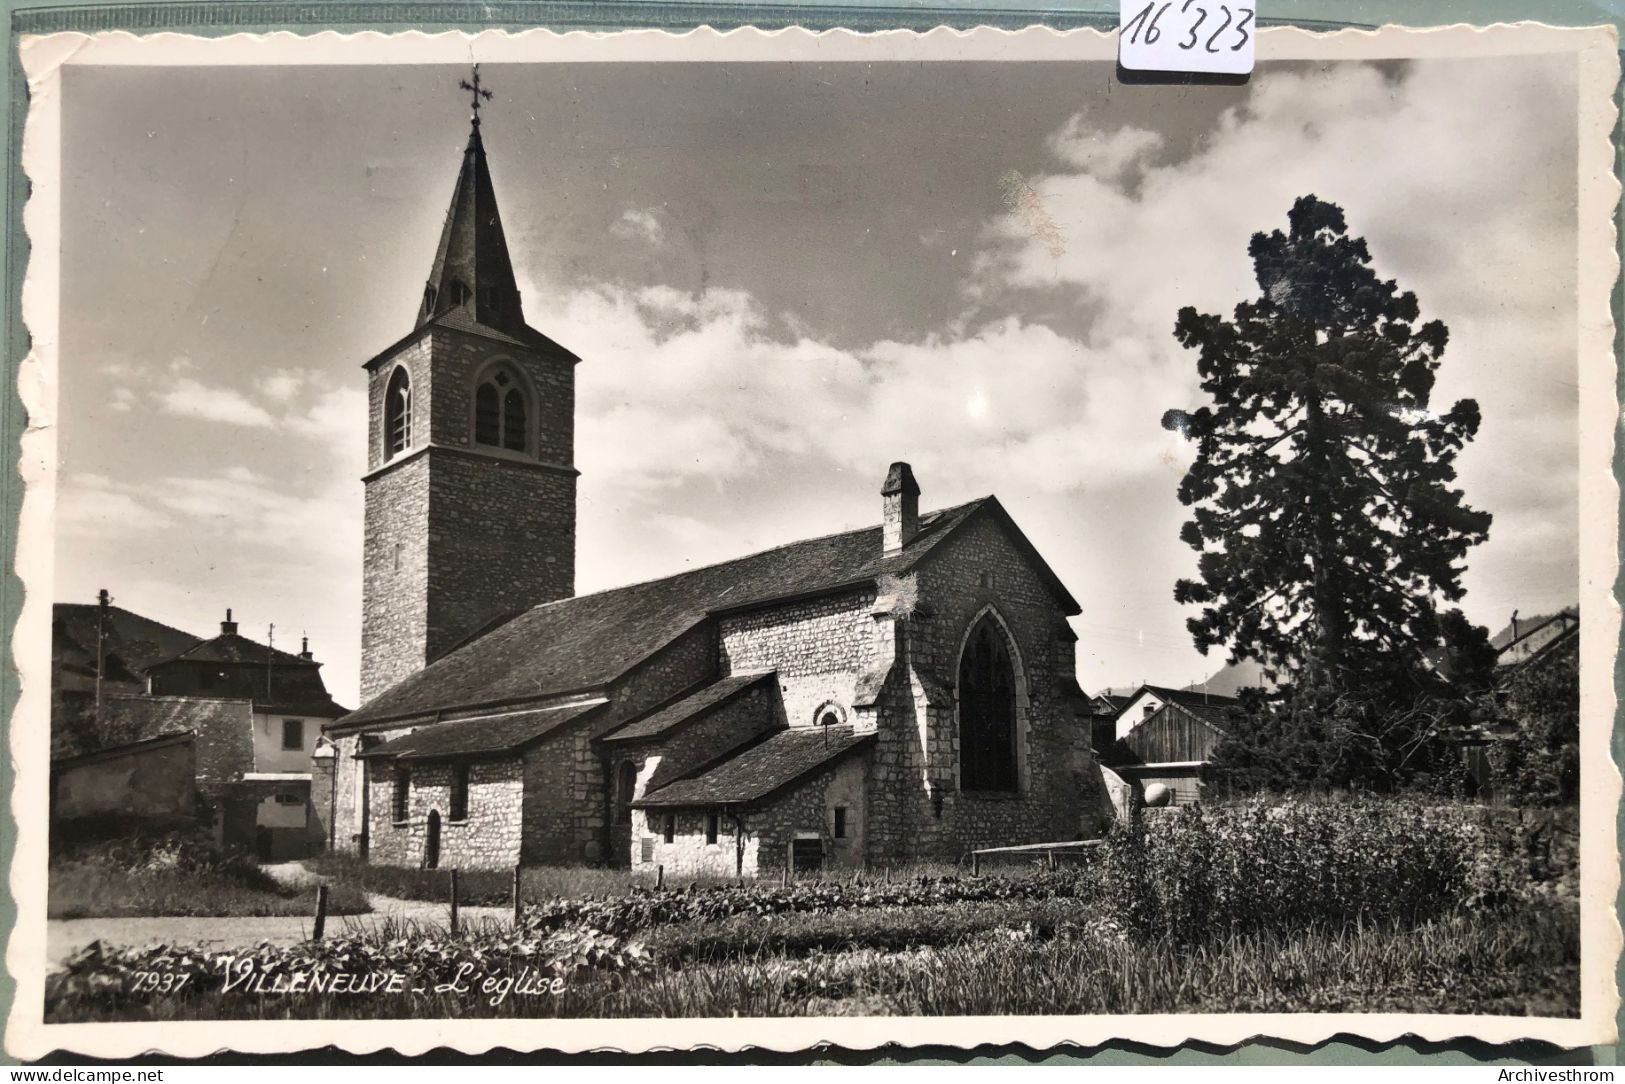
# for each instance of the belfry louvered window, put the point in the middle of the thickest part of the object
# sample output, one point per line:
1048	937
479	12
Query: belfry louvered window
500	413
397	413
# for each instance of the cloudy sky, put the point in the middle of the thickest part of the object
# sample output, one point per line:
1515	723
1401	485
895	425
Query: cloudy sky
780	278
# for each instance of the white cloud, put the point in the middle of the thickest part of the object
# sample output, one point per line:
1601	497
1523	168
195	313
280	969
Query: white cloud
191	399
688	387
1447	168
640	225
283	384
94	506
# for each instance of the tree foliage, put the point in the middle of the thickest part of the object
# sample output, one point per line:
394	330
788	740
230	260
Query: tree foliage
1321	494
1324	510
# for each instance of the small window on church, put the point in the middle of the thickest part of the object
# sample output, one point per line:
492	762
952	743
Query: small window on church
401	799
429	296
829	719
459	792
840	822
501	413
459	293
398	414
670	827
987	580
711	826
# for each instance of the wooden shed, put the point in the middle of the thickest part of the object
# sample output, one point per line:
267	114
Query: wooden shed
1173	747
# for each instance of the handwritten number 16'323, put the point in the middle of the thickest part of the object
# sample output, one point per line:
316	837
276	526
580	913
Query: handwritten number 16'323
1150	16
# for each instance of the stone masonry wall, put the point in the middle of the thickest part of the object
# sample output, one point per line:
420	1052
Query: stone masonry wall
502	538
456	536
818	648
225	745
561	792
395	576
758	842
1060	795
351	775
462	360
488	839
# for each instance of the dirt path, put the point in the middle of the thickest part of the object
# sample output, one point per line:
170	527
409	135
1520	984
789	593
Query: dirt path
64	937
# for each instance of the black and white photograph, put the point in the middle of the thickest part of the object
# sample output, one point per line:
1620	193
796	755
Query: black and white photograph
770	535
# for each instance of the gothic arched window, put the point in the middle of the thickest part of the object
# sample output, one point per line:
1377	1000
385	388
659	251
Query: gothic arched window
397	413
500	413
987	712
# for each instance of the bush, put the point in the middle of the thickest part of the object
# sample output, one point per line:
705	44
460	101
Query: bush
1197	874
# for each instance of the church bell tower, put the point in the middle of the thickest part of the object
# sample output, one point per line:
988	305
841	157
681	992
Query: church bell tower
470	483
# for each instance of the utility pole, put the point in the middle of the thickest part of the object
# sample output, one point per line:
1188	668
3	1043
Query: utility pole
104	603
270	651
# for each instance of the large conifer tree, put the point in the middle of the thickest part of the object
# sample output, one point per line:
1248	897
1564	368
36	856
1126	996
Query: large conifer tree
1322	500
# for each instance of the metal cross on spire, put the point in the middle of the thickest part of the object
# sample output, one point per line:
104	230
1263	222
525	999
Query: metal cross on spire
476	92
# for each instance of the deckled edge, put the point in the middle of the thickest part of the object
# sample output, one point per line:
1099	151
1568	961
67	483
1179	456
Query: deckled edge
28	1037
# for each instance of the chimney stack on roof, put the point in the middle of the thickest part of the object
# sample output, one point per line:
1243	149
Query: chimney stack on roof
228	627
900	497
304	648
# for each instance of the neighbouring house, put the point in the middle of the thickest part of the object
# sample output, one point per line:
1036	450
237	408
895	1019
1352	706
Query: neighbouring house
243	718
1147	700
1174	747
901	691
1524	640
1522	647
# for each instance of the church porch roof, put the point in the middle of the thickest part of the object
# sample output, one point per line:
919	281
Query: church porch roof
761	770
490	736
660	723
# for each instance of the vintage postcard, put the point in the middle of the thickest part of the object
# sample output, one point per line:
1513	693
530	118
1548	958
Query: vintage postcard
639	540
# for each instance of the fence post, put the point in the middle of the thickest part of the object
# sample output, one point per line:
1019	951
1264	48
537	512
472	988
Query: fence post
660	877
1049	860
789	860
975	864
454	902
320	925
516	899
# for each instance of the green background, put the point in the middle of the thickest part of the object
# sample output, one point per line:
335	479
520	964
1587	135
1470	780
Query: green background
191	16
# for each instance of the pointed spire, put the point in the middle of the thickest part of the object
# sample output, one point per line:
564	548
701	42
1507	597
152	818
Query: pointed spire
471	270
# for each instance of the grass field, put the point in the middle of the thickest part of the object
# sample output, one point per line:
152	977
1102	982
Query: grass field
118	880
1382	906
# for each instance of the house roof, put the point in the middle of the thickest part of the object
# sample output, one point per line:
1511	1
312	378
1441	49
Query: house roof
1528	626
759	770
109	752
231	647
127	719
489	736
1217	716
137	642
585	642
1184	697
673	716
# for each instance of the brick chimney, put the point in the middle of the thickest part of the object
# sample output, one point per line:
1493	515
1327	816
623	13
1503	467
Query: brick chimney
228	627
901	499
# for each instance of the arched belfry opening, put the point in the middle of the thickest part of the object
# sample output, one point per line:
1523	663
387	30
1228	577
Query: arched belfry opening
987	710
398	413
502	411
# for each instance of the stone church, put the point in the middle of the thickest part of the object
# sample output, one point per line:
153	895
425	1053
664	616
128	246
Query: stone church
901	692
